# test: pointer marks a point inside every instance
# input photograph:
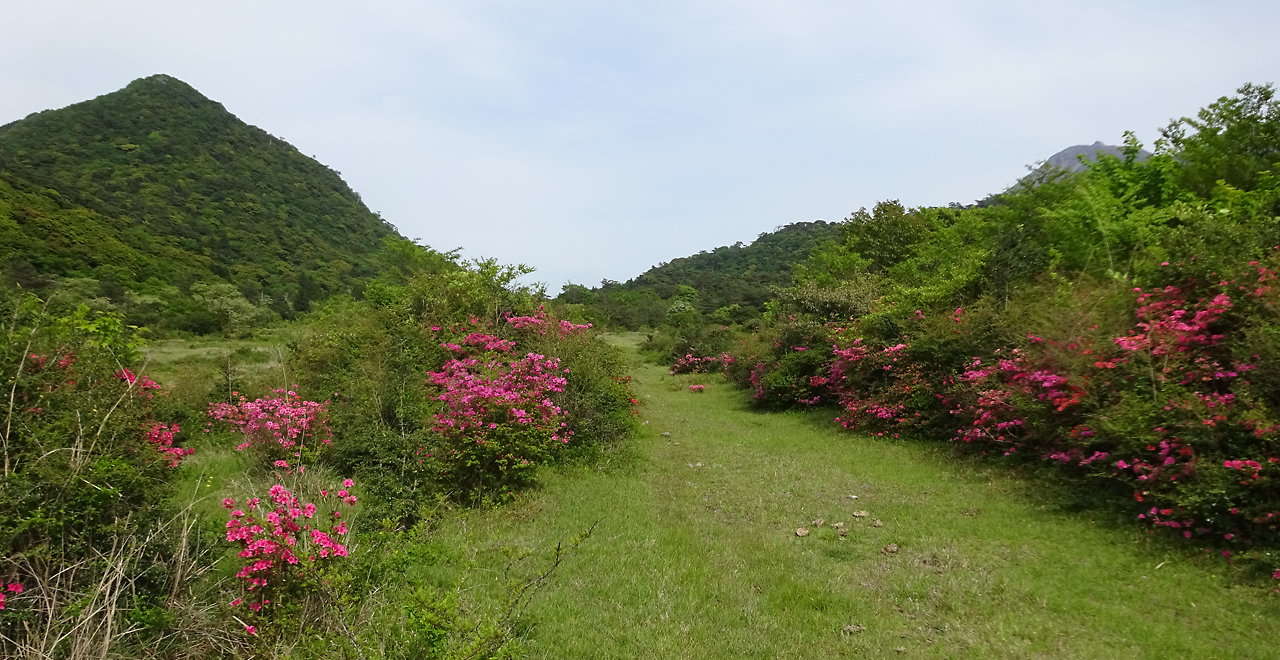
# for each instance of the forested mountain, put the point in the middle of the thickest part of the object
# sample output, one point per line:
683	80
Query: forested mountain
735	272
736	278
138	195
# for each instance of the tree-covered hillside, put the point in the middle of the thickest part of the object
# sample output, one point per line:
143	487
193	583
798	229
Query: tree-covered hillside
737	278
137	195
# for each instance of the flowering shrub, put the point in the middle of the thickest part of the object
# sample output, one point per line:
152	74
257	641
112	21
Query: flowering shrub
697	389
285	542
499	421
702	365
450	384
277	426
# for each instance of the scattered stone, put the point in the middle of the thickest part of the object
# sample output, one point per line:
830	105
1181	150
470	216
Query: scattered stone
838	525
877	523
860	514
901	649
853	497
852	628
802	531
697	465
690	464
891	549
973	512
818	522
676	444
665	434
844	533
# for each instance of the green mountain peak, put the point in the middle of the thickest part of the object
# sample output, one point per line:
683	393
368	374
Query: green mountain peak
155	187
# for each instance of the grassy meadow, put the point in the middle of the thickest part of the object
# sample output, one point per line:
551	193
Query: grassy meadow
695	553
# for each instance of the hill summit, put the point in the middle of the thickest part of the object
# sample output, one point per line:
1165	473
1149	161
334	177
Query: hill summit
1069	158
155	188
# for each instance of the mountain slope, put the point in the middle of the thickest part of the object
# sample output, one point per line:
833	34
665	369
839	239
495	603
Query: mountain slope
732	275
156	185
1069	158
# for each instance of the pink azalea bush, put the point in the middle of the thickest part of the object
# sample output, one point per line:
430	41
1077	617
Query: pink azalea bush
689	364
284	541
498	421
277	426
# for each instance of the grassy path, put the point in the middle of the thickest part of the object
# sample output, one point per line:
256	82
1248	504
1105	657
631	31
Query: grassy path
696	554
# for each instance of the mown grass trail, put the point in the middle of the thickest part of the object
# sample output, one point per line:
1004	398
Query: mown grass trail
696	553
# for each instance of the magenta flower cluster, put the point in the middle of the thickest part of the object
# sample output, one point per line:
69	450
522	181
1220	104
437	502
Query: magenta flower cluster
11	588
283	421
283	537
541	323
161	437
481	394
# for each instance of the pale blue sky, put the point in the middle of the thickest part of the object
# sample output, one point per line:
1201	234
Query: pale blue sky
595	139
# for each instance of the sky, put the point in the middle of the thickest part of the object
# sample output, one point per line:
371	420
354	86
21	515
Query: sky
593	140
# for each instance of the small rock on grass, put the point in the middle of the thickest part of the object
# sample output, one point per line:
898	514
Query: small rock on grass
666	434
844	533
837	525
891	549
877	523
802	531
860	514
852	628
818	522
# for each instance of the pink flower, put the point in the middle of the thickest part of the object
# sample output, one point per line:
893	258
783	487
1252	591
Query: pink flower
251	630
15	588
348	483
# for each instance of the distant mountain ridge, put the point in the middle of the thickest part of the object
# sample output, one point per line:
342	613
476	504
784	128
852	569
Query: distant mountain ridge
1069	158
736	279
156	186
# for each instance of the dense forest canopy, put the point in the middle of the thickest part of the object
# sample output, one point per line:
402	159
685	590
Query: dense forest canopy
737	279
138	195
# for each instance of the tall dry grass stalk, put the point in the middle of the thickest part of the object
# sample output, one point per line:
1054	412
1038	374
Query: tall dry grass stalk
79	610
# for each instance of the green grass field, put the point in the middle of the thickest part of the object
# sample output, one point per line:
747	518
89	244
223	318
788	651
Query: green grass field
696	553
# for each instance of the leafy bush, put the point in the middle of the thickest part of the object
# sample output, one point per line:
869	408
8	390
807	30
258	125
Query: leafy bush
86	475
454	380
